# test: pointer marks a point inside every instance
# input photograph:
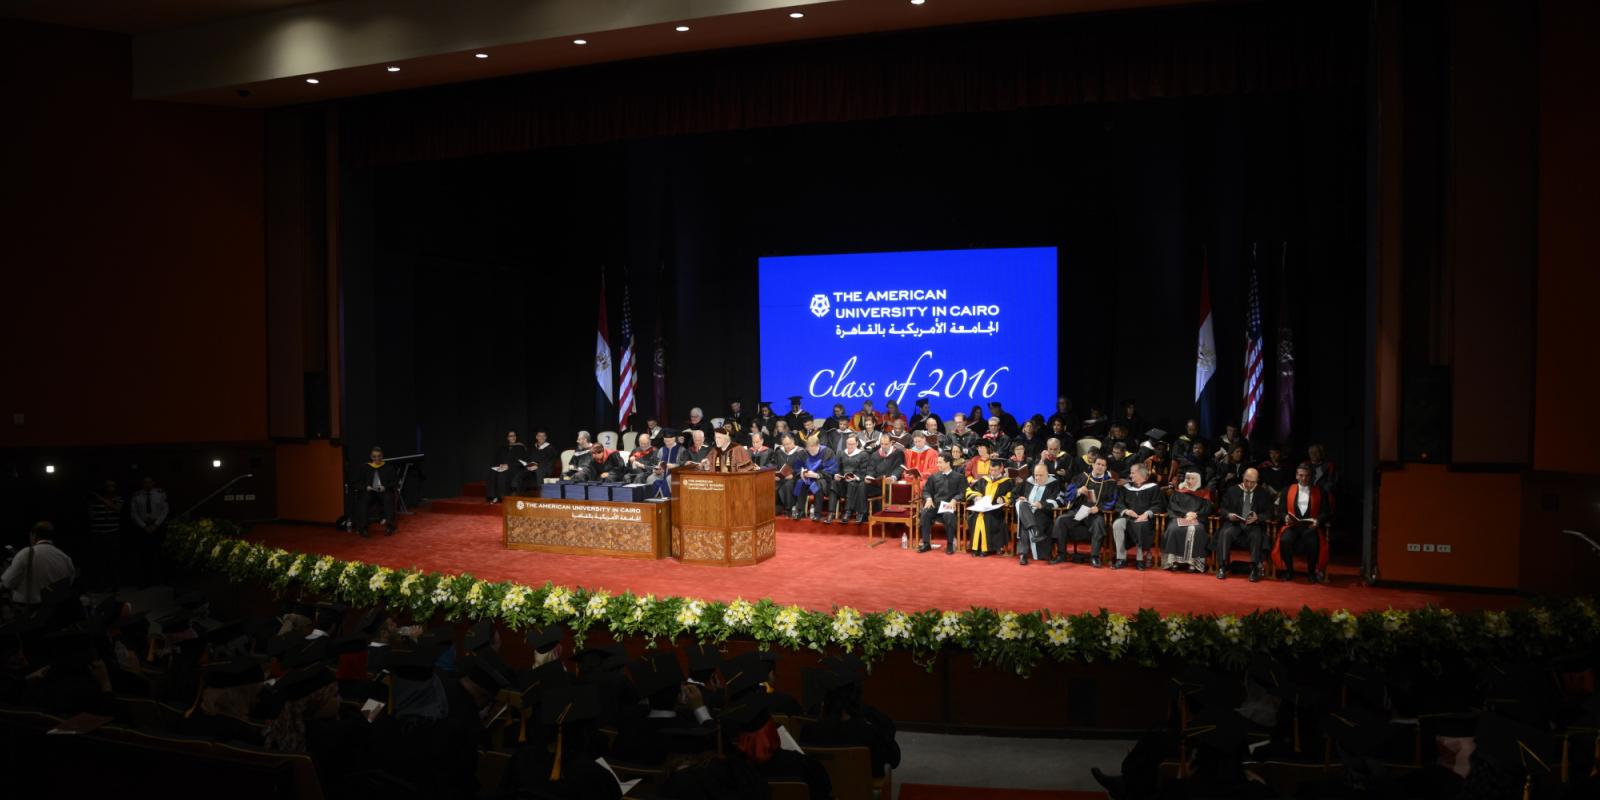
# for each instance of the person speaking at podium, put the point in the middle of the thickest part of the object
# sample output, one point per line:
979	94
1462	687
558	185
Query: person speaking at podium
725	454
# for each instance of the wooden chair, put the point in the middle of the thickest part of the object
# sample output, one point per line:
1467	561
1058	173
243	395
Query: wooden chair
849	768
901	503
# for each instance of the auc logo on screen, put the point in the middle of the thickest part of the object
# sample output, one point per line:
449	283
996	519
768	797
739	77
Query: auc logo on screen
965	326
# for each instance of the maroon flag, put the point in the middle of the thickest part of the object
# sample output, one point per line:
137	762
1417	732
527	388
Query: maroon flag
1285	353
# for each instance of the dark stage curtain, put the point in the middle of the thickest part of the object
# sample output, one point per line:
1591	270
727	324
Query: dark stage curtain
1167	53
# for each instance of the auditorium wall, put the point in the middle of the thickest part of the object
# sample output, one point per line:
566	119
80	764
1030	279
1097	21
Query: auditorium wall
133	254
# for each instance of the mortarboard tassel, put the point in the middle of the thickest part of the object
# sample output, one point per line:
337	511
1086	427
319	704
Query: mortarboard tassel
522	729
555	766
1527	787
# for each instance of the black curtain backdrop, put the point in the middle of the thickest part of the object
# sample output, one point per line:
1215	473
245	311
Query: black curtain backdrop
478	301
470	283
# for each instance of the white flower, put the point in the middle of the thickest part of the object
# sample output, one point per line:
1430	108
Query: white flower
379	579
1176	629
559	601
788	622
1058	630
517	597
296	565
1291	631
949	626
321	568
408	584
641	607
1010	629
442	593
1228	625
475	593
739	614
1497	624
689	614
1118	630
846	624
596	605
216	551
1347	622
896	626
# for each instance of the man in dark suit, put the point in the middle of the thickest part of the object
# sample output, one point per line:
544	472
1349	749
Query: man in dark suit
1245	507
944	486
369	482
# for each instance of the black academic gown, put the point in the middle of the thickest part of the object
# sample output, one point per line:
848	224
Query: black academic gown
1181	542
363	497
500	484
642	464
852	493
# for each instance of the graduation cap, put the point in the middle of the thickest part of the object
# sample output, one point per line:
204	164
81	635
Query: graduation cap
748	714
702	658
330	615
847	662
535	682
369	622
545	638
479	636
656	672
563	706
601	658
235	672
764	404
745	672
1515	746
1357	729
1220	729
308	654
348	643
480	667
1156	435
302	682
817	683
412	665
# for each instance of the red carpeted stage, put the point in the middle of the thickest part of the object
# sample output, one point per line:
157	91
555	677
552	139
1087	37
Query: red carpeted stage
821	566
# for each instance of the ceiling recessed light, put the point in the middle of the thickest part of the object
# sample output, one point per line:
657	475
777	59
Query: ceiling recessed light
682	28
918	2
216	463
480	55
795	15
312	80
394	69
580	41
49	469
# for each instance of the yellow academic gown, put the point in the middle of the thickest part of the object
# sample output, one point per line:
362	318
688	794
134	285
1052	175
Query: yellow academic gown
999	493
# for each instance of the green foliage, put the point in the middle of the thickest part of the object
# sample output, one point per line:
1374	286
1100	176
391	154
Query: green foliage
1010	640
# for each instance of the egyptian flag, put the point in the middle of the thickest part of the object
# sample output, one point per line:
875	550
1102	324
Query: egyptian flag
1205	364
602	363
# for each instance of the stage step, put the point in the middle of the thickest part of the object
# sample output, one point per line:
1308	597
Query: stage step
467	505
474	489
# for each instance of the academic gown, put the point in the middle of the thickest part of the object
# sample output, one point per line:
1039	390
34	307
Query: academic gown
784	486
1102	497
545	460
925	462
500	484
987	530
823	464
1140	499
853	492
1179	544
647	459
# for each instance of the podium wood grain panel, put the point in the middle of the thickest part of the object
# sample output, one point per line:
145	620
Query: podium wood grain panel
723	518
588	527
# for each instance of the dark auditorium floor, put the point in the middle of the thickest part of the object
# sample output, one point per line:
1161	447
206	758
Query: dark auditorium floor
819	566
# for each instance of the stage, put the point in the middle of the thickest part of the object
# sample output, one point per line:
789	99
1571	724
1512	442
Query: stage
821	566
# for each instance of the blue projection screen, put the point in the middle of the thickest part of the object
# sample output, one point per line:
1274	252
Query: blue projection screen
959	327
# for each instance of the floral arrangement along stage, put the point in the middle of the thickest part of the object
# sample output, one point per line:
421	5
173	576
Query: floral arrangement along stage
1010	639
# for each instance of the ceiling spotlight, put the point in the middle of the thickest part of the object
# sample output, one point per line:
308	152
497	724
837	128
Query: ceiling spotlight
795	15
216	463
682	29
580	41
918	2
312	80
394	69
480	55
49	469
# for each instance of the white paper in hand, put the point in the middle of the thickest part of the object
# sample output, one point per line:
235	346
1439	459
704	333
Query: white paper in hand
947	507
626	786
1083	513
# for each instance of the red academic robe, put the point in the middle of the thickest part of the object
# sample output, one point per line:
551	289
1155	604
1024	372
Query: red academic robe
1291	505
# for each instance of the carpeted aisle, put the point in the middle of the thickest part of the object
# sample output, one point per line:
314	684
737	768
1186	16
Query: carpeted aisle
835	567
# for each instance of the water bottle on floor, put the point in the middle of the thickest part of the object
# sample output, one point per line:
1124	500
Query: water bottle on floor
905	541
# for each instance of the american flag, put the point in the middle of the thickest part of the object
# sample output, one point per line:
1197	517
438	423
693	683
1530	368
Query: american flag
1253	359
625	404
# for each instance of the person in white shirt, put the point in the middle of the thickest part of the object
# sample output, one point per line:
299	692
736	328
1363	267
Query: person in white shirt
37	567
147	509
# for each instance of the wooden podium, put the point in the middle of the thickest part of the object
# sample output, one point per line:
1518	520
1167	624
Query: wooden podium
723	518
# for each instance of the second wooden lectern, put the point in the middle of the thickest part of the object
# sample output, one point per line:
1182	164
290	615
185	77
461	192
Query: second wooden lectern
723	518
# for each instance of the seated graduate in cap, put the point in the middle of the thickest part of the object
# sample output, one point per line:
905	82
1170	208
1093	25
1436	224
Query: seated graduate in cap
797	417
561	757
1186	538
765	421
752	738
677	720
843	722
507	469
988	533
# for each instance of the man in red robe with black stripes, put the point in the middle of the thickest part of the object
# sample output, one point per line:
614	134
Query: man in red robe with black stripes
1305	507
